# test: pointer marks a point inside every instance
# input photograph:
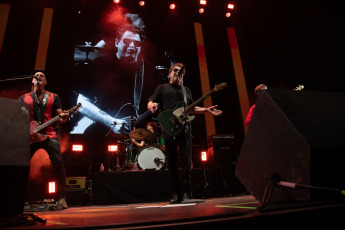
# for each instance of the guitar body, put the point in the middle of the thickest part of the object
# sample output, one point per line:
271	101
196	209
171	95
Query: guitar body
34	135
173	120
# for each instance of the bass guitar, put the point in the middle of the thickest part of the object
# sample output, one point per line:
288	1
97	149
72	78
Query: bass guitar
35	127
173	120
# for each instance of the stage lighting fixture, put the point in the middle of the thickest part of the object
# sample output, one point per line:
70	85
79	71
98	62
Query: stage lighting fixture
227	15
203	156
77	148
116	1
202	2
172	6
231	6
113	148
141	3
51	187
201	10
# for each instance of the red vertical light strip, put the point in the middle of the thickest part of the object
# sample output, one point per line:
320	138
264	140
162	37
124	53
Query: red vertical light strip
205	82
4	12
43	43
239	75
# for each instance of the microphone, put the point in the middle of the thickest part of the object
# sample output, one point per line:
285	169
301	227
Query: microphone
38	78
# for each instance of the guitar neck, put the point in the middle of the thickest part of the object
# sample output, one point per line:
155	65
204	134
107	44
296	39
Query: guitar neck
142	116
40	127
191	106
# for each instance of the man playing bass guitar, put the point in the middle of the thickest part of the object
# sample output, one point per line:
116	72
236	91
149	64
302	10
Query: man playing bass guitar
168	96
44	106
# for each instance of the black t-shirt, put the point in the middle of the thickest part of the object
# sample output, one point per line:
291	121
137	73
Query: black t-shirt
168	95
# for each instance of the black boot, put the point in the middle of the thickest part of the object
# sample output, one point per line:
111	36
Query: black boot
185	198
175	200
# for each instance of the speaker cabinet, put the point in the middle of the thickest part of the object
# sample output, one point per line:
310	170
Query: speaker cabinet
297	136
14	155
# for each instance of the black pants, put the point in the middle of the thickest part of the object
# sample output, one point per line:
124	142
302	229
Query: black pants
179	144
52	147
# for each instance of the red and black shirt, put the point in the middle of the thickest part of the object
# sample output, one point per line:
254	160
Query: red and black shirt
43	112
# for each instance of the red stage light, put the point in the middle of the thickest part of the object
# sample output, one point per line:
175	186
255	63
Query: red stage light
203	156
113	148
172	6
201	10
202	2
116	1
77	148
227	15
231	6
141	3
51	187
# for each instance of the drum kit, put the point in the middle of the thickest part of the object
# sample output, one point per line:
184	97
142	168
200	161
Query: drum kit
133	158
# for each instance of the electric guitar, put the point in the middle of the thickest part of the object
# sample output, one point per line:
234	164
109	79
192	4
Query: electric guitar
35	127
142	117
173	120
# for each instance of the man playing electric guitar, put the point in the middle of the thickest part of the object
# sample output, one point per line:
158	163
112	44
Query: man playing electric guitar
44	106
168	96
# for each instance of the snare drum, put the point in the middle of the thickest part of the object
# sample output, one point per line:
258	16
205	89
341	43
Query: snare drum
151	157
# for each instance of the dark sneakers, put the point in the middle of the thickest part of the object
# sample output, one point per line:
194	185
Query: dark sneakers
185	198
175	200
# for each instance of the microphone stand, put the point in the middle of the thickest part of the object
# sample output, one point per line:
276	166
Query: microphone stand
21	77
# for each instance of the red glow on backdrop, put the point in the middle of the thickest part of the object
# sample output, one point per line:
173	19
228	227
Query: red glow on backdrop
39	162
13	94
113	18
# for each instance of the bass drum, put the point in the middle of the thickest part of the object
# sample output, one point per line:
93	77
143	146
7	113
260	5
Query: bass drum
151	157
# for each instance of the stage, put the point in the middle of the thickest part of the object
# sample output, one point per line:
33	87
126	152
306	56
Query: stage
236	212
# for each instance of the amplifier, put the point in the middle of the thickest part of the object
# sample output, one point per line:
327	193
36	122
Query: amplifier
220	140
75	183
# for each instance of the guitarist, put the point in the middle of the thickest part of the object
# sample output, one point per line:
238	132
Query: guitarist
167	96
44	106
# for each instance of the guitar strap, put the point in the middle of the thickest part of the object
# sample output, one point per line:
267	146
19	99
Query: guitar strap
138	85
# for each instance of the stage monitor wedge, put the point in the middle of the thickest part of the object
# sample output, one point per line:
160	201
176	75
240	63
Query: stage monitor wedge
14	155
298	136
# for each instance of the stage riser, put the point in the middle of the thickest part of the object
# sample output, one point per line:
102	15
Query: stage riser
148	186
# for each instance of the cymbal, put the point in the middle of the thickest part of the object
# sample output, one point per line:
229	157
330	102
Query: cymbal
119	136
140	134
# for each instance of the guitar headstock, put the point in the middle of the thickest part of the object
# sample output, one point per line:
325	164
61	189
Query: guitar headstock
299	87
74	108
220	86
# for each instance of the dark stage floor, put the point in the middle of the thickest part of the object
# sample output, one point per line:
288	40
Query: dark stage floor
235	212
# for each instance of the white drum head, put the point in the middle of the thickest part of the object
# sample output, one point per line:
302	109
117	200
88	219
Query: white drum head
151	157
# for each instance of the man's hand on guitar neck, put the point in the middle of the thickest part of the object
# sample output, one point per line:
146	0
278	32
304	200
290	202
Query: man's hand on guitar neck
153	106
63	115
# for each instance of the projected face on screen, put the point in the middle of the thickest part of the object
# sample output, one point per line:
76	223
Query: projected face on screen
128	43
116	69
